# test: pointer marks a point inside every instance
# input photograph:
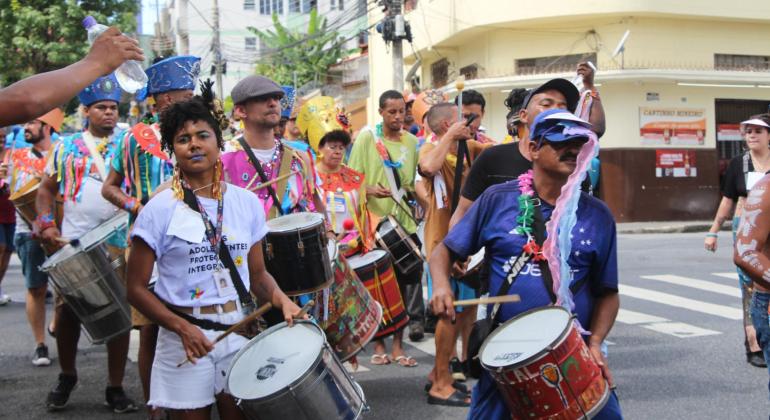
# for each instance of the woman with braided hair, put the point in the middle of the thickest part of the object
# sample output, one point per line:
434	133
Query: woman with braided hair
206	237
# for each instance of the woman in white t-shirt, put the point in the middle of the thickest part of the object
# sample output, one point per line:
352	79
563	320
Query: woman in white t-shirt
195	296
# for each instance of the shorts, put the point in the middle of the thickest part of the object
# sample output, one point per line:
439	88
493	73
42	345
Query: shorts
6	235
192	385
32	257
460	290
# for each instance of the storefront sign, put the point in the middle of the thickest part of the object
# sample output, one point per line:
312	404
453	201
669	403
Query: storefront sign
729	132
675	163
672	126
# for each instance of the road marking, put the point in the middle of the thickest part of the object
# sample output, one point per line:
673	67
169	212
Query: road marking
662	325
708	286
731	275
682	302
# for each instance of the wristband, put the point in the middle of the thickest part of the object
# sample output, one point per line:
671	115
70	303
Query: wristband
131	204
45	221
712	235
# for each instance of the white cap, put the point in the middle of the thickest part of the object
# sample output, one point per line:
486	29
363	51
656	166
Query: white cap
756	121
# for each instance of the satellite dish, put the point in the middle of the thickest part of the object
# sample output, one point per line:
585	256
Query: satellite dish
622	44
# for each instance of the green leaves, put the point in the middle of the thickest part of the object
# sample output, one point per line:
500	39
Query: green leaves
307	53
43	35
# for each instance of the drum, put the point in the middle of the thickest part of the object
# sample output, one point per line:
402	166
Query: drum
24	201
543	368
291	373
376	272
352	317
296	254
89	276
403	250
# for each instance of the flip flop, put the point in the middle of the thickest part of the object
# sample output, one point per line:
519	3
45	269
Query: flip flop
457	399
379	359
409	361
456	385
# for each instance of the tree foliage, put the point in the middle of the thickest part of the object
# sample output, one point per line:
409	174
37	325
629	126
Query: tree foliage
308	53
44	35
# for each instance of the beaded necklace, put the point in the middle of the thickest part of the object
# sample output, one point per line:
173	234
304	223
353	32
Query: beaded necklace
527	216
268	167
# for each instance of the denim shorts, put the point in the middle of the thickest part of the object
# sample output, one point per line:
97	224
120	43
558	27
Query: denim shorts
32	257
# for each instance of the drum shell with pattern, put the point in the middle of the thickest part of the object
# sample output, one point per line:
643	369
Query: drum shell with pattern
543	367
353	315
292	374
376	272
295	252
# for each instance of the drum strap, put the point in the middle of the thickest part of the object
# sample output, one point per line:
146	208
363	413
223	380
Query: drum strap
247	303
262	176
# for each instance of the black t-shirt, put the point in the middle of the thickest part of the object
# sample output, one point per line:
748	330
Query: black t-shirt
495	165
734	182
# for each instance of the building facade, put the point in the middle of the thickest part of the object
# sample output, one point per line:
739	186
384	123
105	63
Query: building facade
673	96
191	28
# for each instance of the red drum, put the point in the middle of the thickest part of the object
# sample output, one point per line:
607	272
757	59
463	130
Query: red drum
353	316
376	272
543	368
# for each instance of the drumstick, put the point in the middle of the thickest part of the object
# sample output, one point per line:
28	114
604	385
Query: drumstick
401	206
251	317
487	300
268	183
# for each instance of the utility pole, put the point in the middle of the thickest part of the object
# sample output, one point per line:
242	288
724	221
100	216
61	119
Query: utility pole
217	50
394	11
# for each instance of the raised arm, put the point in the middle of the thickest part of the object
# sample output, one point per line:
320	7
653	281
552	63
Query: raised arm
34	96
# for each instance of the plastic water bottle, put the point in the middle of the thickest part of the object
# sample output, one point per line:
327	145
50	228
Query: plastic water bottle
130	74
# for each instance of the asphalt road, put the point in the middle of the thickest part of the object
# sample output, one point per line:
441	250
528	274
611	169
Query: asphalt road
676	350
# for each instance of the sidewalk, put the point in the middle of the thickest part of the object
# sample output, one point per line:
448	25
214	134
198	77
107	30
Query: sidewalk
668	227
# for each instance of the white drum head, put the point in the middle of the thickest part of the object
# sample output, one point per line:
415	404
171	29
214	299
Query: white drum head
274	360
524	337
357	261
89	240
294	221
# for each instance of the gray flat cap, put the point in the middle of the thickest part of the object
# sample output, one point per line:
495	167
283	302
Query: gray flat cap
253	86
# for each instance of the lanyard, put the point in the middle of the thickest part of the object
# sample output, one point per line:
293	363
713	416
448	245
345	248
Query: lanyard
213	235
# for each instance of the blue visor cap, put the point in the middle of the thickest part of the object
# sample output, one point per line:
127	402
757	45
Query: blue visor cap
174	73
287	102
557	125
102	89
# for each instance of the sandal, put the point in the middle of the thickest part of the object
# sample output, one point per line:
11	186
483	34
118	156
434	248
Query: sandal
406	361
457	399
51	332
456	385
379	359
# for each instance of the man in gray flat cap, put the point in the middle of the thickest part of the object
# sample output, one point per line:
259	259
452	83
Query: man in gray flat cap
257	157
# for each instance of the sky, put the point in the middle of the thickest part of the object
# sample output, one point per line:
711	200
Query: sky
148	15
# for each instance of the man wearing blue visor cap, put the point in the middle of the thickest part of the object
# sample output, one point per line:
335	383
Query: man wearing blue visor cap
508	221
142	166
76	170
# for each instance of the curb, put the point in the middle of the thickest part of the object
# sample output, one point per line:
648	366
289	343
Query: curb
672	228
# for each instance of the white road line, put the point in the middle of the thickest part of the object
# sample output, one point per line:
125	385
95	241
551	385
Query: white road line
662	325
731	275
682	302
708	286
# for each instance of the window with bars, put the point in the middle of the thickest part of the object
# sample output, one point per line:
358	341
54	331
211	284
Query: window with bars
470	72
264	7
440	73
278	6
295	6
250	43
741	62
552	64
336	4
249	5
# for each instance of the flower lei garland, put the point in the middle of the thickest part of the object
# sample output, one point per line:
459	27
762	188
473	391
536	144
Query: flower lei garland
383	152
527	216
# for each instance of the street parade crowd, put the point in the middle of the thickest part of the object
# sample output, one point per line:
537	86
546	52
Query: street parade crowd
257	251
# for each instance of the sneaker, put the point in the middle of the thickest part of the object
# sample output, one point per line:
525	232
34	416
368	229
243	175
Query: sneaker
115	398
416	332
41	356
60	395
456	366
756	359
4	299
